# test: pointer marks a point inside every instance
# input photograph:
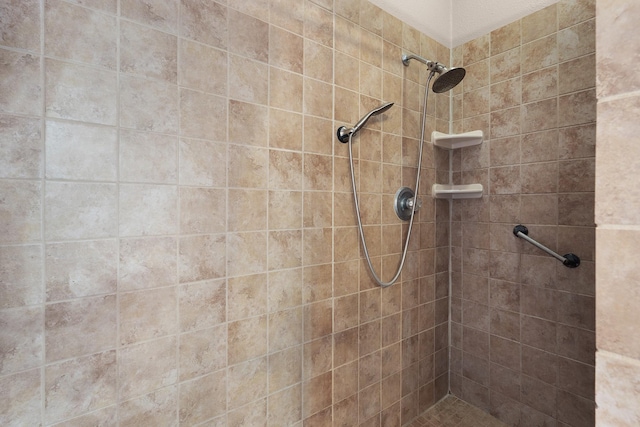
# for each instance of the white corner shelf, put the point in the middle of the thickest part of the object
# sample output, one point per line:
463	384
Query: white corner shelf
449	191
459	140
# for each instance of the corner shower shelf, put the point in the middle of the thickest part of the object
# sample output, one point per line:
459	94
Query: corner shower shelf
459	140
449	191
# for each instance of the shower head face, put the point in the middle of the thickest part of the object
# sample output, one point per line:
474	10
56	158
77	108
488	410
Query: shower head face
448	79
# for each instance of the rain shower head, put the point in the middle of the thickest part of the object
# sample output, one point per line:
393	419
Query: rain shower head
447	79
344	132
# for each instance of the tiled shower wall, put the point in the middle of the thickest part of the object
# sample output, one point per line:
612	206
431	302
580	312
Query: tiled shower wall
523	340
178	242
617	200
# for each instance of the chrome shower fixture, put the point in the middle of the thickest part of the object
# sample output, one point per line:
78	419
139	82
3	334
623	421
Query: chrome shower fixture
448	77
344	132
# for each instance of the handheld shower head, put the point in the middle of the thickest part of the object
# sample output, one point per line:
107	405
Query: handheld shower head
343	132
447	79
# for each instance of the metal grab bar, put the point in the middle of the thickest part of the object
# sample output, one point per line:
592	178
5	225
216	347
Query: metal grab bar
569	260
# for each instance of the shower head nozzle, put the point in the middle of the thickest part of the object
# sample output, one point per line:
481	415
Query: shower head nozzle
344	132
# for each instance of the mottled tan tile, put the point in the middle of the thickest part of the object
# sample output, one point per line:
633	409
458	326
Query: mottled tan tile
22	339
202	398
21	398
577	41
20	88
202	68
578	108
247	382
21	149
285	90
204	22
250	210
202	163
202	305
617	389
540	53
80	93
194	124
162	14
202	210
80	210
80	385
93	38
286	50
539	24
21	270
147	314
148	105
147	157
247	253
146	367
20	27
147	263
318	24
201	257
148	209
81	269
148	52
248	36
157	408
248	80
80	152
202	352
506	37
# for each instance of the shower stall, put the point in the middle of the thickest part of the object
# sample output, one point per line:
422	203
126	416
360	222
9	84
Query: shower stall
179	243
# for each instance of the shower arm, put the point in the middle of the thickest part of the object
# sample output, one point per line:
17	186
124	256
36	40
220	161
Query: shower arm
569	260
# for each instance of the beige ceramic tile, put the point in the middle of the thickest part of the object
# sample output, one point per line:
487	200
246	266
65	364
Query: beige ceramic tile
248	124
249	211
21	91
285	289
162	14
285	129
148	52
540	53
571	12
506	37
80	152
147	314
80	385
148	105
146	157
617	391
80	210
285	407
202	210
148	210
248	80
202	398
143	368
81	269
577	40
20	27
247	253
21	152
240	332
157	408
318	24
247	296
147	263
247	382
202	68
202	352
286	50
22	210
202	163
92	40
282	334
285	249
196	125
202	305
539	24
201	257
21	270
80	93
578	108
285	90
248	36
22	339
205	23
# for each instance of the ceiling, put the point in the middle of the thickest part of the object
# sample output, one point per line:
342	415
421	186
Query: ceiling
454	22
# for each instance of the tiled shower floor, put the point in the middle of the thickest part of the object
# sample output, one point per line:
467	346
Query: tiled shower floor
453	412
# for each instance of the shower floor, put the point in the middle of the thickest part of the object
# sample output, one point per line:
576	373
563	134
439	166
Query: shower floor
453	412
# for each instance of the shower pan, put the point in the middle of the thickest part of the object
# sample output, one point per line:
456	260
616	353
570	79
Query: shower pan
406	202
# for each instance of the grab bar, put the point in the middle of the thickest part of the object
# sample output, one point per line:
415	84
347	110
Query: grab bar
569	260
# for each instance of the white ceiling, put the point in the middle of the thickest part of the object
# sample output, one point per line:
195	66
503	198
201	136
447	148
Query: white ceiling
453	22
